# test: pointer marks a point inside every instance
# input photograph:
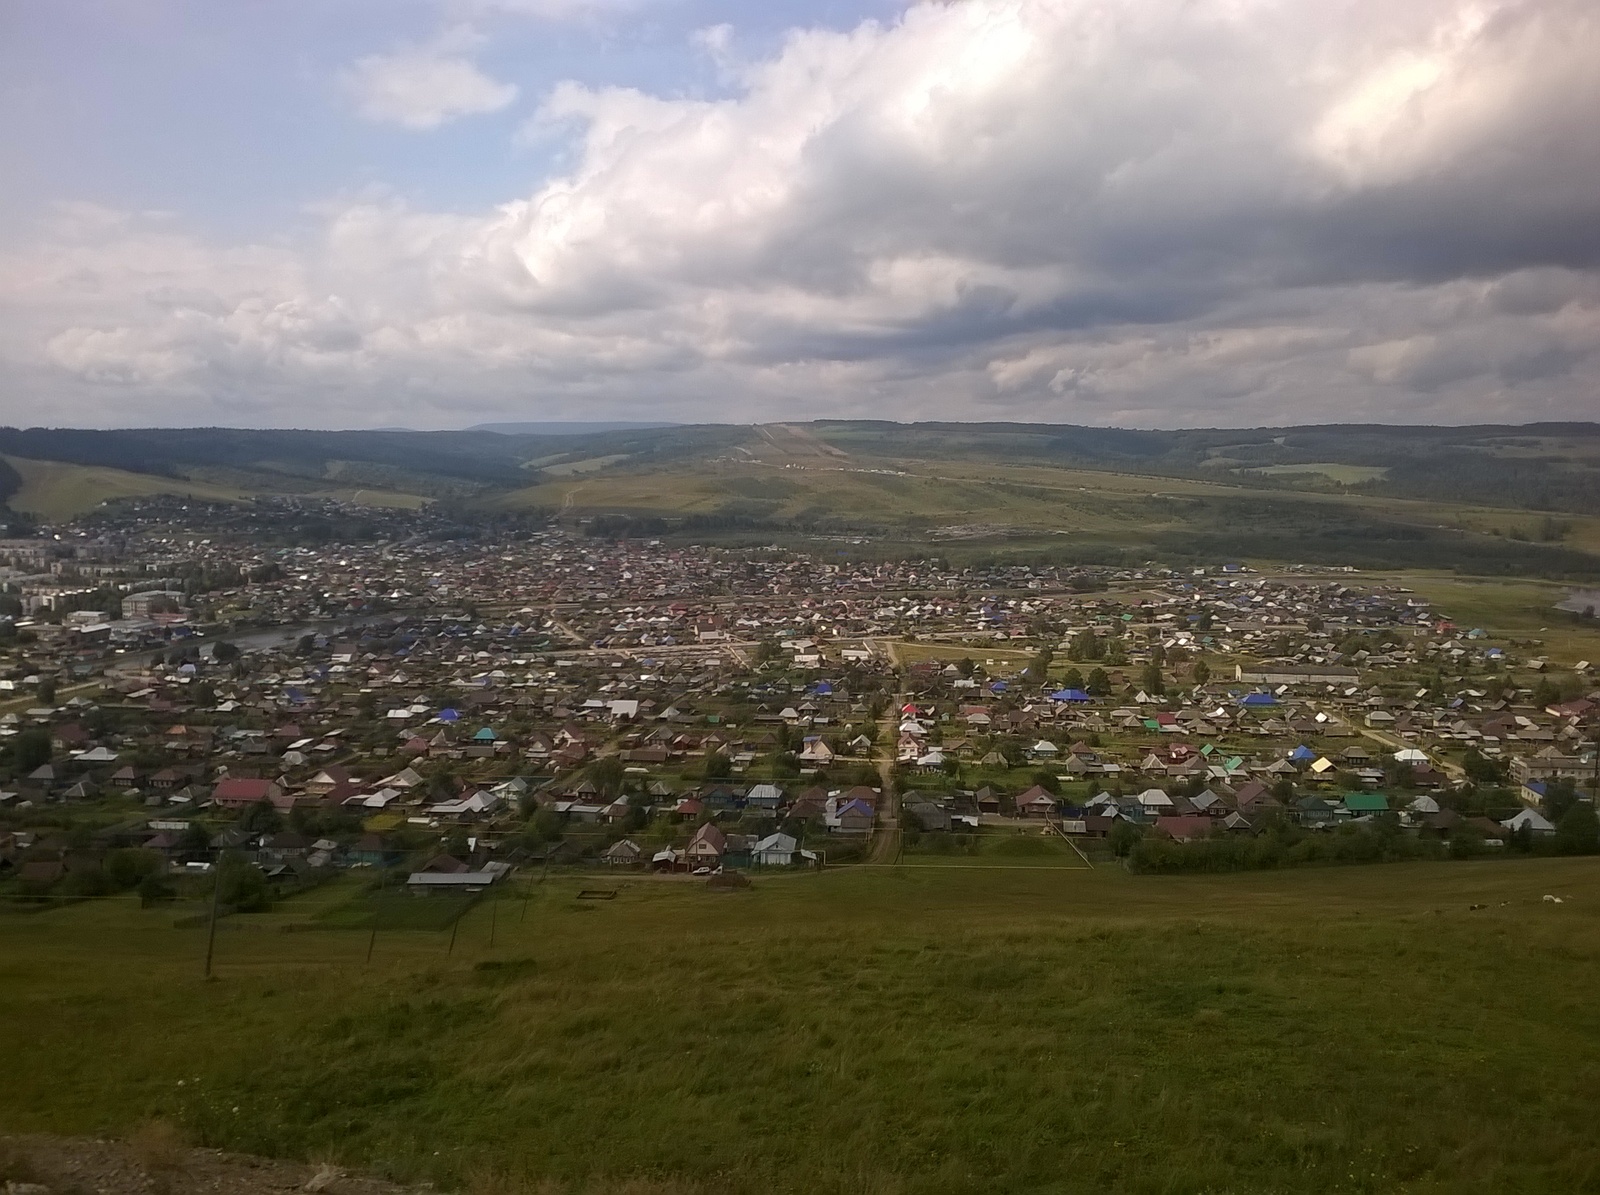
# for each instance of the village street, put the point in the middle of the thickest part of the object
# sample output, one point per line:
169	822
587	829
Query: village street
885	846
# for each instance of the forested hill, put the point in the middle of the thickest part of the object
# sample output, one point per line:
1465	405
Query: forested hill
1541	467
392	459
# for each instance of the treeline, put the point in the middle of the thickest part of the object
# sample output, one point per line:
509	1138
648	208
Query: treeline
1380	841
1528	484
1385	546
621	526
481	457
1281	847
485	458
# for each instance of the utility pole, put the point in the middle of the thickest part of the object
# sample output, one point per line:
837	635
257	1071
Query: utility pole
211	930
494	915
377	908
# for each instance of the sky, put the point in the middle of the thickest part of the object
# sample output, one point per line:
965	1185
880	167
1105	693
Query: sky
1151	213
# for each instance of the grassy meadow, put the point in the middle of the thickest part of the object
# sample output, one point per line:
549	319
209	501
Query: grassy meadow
908	1029
58	491
965	506
54	490
1521	609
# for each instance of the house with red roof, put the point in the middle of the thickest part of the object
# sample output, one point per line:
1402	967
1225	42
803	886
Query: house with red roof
237	792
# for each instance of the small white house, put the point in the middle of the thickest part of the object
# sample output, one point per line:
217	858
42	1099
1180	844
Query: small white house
1155	802
1533	820
775	850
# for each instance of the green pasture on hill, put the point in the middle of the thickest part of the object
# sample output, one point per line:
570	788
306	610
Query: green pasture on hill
911	1029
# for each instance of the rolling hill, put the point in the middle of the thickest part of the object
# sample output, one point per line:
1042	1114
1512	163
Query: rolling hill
1509	500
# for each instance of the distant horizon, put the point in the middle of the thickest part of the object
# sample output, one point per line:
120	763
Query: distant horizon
570	427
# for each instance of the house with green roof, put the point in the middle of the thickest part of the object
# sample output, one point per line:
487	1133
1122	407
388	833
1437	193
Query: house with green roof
1365	804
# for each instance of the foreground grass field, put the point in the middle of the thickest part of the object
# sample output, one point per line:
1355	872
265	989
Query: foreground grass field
915	1029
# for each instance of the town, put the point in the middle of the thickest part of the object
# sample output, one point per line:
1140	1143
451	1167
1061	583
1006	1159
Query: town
442	711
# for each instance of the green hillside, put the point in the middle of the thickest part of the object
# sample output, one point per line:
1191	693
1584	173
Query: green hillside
941	1028
1503	500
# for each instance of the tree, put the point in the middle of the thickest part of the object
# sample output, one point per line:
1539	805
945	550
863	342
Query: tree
1073	679
1151	680
1578	831
1202	672
718	766
30	750
1098	682
261	818
194	839
1038	669
1085	646
242	886
1481	769
1046	780
1466	841
1560	795
1124	837
224	652
47	690
546	826
155	890
607	775
128	867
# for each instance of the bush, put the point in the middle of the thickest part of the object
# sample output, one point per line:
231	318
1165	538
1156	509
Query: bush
1284	847
1578	831
1466	842
1025	846
126	868
29	750
154	890
846	852
1123	838
243	887
86	881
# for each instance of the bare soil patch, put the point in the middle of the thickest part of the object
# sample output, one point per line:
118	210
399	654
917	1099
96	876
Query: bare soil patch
155	1163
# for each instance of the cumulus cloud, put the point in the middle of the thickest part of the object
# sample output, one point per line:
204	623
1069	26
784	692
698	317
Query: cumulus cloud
423	87
1223	211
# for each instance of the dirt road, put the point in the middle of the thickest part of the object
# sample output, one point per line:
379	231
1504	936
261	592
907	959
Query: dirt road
885	845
